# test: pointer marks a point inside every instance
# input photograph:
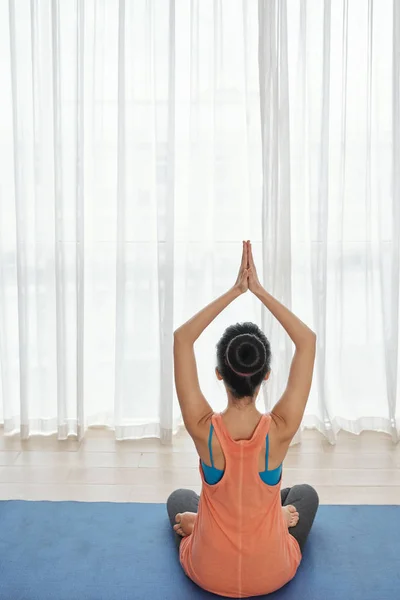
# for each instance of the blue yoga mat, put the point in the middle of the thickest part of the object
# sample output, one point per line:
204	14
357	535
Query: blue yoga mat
110	551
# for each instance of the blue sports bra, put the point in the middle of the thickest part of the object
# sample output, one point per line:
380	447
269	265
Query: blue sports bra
212	475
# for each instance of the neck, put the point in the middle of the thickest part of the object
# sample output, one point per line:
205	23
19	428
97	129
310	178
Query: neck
245	406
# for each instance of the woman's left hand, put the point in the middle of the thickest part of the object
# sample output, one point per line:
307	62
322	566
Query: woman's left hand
242	281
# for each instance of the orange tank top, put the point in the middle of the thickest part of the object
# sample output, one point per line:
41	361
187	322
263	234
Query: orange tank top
240	545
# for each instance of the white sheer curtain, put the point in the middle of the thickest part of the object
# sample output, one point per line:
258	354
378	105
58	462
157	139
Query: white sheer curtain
329	89
134	159
130	172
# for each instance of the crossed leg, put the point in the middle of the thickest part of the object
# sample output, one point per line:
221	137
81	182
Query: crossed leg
299	504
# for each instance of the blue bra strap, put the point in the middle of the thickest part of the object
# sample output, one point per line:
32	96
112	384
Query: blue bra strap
210	446
211	454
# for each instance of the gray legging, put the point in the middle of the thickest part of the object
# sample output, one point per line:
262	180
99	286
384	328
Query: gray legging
303	497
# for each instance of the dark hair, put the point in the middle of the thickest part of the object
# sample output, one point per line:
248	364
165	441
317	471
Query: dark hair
243	358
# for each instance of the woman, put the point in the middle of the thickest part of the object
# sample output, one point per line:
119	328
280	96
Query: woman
243	536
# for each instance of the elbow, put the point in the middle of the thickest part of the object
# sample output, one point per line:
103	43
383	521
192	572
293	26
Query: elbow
182	340
312	338
313	341
309	340
179	335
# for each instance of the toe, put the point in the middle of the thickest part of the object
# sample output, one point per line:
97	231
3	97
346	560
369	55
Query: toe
178	517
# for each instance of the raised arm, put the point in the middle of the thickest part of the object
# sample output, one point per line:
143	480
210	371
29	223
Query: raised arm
195	408
289	410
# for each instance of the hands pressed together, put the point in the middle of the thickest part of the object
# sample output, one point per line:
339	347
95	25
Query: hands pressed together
247	278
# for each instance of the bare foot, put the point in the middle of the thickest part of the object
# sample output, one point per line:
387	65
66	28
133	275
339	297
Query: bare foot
185	523
290	515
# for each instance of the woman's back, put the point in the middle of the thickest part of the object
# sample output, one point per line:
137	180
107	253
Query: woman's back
241	425
240	545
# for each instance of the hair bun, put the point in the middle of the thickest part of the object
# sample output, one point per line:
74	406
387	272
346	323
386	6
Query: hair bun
246	354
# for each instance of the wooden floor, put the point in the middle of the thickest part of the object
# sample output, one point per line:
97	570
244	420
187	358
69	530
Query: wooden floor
361	469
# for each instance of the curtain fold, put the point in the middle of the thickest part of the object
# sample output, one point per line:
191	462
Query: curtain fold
276	198
392	348
319	257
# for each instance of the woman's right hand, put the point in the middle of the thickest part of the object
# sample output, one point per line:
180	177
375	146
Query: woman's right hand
254	283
